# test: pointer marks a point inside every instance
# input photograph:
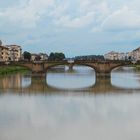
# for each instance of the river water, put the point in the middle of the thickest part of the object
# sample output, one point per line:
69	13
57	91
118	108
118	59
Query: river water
70	105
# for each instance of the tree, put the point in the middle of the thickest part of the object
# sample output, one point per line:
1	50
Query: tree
56	56
27	55
51	56
61	56
0	42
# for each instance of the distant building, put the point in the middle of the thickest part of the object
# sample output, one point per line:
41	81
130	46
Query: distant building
111	55
136	54
15	52
129	56
10	53
43	56
34	56
39	57
115	56
4	53
121	56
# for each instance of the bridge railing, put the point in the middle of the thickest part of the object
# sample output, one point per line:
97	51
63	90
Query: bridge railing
67	61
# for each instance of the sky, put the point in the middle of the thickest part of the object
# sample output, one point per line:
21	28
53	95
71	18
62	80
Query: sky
75	27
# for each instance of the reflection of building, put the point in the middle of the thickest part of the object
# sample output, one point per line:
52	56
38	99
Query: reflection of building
13	81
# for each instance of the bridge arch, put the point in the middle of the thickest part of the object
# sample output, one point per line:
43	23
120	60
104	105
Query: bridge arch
118	66
48	66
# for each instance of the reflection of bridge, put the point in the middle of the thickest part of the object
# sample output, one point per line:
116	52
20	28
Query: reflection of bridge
40	86
102	68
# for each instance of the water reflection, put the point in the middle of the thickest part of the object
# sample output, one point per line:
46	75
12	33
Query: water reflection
82	81
14	81
67	117
77	78
126	77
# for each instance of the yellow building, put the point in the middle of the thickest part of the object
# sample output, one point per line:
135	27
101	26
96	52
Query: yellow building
4	53
15	52
10	52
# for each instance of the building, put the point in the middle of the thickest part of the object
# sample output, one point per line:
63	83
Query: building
136	54
15	52
129	56
115	56
39	57
111	55
34	56
4	54
10	53
43	56
121	56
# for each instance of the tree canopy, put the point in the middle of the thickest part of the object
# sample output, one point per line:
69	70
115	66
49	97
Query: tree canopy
27	55
0	42
56	56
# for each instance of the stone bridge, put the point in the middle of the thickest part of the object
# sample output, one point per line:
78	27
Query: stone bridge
102	68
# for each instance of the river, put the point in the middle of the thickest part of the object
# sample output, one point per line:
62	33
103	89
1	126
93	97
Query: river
70	105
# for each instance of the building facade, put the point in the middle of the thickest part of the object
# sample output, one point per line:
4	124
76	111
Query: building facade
10	53
136	54
115	56
43	56
39	57
4	54
15	52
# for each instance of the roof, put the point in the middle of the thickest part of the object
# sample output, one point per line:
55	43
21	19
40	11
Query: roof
138	49
4	47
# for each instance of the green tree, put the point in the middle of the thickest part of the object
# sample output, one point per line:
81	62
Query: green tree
56	56
27	55
61	56
51	56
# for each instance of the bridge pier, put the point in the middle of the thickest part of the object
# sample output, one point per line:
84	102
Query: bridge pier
103	75
102	83
39	74
38	84
70	66
38	78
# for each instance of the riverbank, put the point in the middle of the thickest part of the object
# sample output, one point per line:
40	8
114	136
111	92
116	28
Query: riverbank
137	66
12	69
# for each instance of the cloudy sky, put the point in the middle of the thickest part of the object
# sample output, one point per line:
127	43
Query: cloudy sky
75	27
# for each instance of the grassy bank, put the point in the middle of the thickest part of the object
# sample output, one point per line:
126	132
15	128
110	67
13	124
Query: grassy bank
11	69
137	66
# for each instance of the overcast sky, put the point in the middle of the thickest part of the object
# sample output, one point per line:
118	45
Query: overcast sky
75	27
